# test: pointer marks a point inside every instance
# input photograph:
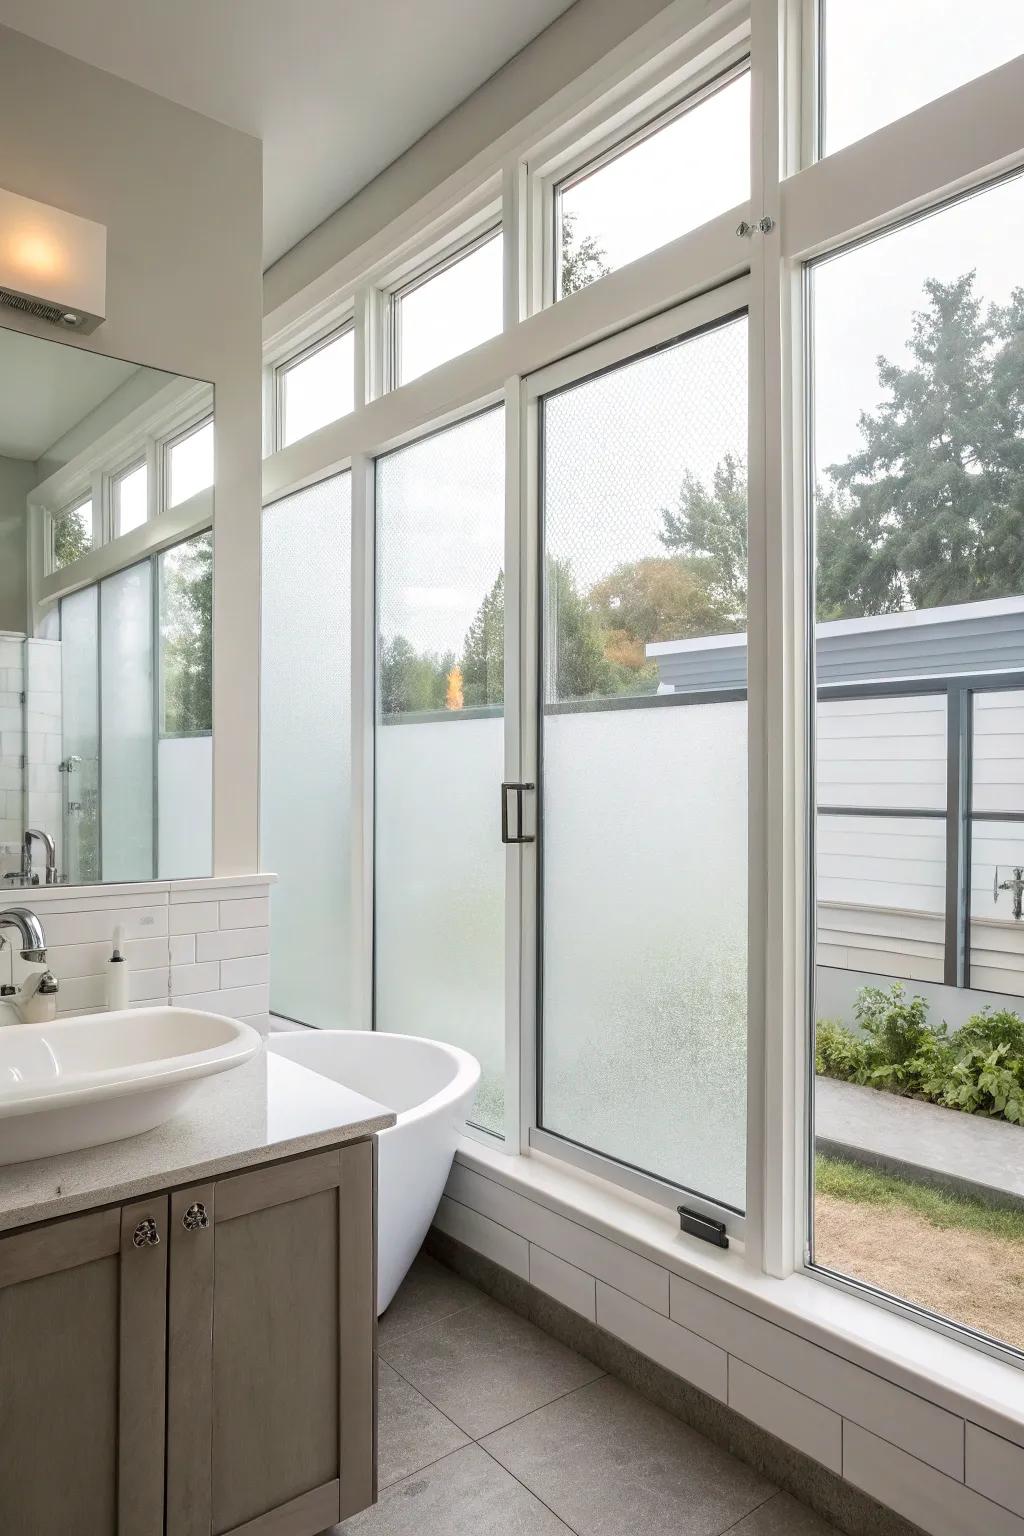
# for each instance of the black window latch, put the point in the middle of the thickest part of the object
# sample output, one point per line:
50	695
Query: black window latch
702	1226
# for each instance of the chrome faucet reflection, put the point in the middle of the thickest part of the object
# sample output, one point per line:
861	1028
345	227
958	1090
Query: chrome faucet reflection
35	998
27	874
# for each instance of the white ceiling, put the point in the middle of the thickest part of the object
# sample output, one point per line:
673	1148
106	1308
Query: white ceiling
46	389
336	89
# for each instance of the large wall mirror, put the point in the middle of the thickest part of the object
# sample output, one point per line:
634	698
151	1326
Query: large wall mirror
106	596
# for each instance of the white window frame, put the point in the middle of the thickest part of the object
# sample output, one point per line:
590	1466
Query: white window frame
800	207
164	447
280	371
74	504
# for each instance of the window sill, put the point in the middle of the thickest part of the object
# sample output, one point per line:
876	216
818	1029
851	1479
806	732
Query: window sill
955	1376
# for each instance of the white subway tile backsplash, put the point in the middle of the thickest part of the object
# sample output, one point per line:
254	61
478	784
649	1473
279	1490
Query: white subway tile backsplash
676	1348
920	1427
567	1284
253	912
236	1002
938	1504
72	960
253	970
98	927
232	943
195	978
194	917
146	986
496	1242
995	1467
790	1415
183	948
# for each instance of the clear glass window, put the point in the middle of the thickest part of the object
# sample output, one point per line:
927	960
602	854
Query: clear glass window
318	387
688	166
131	499
190	464
452	308
186	637
880	61
72	534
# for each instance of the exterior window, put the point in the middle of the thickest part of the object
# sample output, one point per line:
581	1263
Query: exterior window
451	308
309	640
186	637
643	764
190	464
317	387
911	53
440	868
918	425
131	499
72	534
675	174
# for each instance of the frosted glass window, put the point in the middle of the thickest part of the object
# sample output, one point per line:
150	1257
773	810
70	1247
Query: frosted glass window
131	499
881	61
305	725
184	767
79	655
317	387
644	880
72	534
186	637
127	723
190	465
440	865
675	175
450	310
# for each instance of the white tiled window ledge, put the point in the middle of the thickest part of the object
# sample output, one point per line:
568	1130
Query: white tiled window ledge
894	1407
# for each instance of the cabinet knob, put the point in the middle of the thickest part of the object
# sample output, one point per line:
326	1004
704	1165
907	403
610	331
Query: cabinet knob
146	1234
195	1218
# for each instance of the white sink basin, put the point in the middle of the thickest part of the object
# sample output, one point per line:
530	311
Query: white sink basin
103	1076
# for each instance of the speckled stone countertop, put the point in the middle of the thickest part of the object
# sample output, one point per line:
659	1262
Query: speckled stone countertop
268	1109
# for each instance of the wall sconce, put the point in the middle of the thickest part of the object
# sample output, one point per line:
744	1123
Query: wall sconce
53	265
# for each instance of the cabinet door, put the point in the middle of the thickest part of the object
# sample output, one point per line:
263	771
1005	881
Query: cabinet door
272	1319
82	1353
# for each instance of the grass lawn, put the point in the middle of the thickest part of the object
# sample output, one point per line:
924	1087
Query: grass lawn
949	1253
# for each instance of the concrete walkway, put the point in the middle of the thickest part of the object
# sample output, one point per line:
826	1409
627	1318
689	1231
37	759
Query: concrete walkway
924	1141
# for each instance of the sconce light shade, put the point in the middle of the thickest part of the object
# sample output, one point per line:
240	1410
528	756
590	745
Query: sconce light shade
52	264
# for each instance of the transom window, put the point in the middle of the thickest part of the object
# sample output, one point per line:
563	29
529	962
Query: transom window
72	533
453	306
316	387
190	464
131	499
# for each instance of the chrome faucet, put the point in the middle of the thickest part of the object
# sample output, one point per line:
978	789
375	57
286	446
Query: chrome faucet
36	999
26	856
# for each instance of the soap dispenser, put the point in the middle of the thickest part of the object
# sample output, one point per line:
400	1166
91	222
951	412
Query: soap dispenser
117	974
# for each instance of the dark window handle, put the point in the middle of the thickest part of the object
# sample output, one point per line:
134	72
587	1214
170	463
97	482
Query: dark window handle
520	836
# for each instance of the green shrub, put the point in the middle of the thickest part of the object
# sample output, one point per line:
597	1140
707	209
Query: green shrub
978	1069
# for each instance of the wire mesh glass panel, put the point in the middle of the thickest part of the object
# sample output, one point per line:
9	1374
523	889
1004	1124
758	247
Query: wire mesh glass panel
80	723
450	311
127	723
306	754
686	168
882	752
911	53
644	793
997	769
317	388
440	865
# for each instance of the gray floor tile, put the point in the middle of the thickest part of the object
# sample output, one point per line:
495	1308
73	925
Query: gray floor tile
428	1293
411	1433
466	1494
486	1366
609	1463
783	1516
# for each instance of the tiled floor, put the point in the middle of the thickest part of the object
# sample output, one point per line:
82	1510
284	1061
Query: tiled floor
488	1427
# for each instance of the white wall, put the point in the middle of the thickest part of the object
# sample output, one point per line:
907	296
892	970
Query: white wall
182	202
17	476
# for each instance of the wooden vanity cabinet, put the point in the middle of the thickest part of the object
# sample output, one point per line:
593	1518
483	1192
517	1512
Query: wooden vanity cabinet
217	1383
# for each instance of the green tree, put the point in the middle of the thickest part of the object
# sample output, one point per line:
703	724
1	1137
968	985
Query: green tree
930	509
411	681
662	597
483	654
186	636
72	536
709	527
577	667
581	258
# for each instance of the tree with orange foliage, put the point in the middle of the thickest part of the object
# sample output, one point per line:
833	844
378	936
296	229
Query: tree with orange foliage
454	698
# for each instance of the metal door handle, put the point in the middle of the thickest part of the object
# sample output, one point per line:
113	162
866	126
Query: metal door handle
520	836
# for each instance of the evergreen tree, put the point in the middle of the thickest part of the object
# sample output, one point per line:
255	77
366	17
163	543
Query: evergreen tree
186	631
709	528
483	654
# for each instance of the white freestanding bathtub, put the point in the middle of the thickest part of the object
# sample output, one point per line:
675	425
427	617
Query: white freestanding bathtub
430	1087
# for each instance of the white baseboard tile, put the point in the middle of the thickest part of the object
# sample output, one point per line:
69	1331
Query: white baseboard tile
995	1467
922	1428
676	1348
616	1266
485	1236
792	1417
938	1504
567	1284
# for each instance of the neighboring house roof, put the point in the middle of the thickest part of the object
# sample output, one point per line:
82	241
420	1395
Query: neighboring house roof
959	639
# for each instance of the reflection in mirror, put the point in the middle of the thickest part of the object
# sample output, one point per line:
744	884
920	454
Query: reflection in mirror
106	639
